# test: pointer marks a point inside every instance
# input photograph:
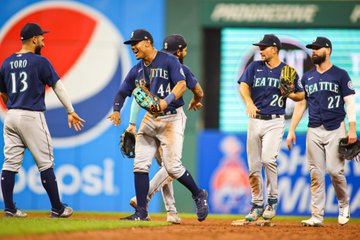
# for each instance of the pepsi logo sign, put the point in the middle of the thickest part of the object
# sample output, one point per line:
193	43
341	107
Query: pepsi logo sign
88	53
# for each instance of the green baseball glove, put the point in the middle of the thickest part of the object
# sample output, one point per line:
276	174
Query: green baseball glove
146	100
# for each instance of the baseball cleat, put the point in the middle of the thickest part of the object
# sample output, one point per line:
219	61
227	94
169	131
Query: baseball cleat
67	212
314	221
344	215
202	207
17	213
270	209
140	215
255	212
173	217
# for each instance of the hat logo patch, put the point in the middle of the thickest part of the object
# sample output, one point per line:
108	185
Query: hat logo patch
132	35
165	45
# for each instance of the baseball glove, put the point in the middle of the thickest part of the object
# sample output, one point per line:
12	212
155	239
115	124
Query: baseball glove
127	144
349	151
287	80
146	100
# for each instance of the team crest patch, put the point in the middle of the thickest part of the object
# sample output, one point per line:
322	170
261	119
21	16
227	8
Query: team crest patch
350	85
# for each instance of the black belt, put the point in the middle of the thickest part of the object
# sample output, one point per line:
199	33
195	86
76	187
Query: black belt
170	112
267	116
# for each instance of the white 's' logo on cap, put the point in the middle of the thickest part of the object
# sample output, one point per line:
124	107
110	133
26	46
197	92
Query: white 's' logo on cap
165	45
132	35
314	40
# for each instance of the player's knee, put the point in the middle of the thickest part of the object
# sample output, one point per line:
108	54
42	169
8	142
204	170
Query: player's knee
45	165
141	169
175	171
269	160
335	173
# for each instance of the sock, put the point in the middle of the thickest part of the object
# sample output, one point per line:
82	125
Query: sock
141	188
7	187
187	180
48	181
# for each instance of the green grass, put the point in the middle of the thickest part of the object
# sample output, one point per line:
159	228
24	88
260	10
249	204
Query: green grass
38	225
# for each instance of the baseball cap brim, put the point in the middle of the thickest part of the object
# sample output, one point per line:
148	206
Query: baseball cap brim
314	45
132	41
262	44
168	51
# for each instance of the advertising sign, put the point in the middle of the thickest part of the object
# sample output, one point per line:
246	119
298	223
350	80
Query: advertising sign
223	170
85	46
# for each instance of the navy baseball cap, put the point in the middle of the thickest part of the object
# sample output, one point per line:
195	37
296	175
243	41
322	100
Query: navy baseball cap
173	42
30	30
269	40
320	42
139	35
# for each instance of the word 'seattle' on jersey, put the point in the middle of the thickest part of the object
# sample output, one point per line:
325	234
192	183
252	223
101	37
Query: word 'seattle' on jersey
24	77
160	77
265	87
325	94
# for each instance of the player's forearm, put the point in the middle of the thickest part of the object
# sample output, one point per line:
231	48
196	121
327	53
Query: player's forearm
245	93
179	89
298	96
134	111
299	110
63	96
198	92
350	107
4	97
119	100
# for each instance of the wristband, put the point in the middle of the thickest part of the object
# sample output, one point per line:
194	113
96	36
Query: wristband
170	98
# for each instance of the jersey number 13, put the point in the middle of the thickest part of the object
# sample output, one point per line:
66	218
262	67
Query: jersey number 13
22	78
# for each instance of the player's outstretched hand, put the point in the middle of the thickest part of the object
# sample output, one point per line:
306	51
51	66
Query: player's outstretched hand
291	138
115	118
75	120
251	110
195	105
131	128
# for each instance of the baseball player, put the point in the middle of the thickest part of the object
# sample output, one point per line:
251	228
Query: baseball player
164	77
259	88
327	89
173	44
23	78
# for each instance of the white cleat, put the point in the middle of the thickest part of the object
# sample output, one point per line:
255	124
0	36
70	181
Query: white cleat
344	215
314	221
270	209
254	214
67	212
17	214
173	217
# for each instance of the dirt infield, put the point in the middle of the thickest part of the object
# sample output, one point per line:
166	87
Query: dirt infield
218	229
